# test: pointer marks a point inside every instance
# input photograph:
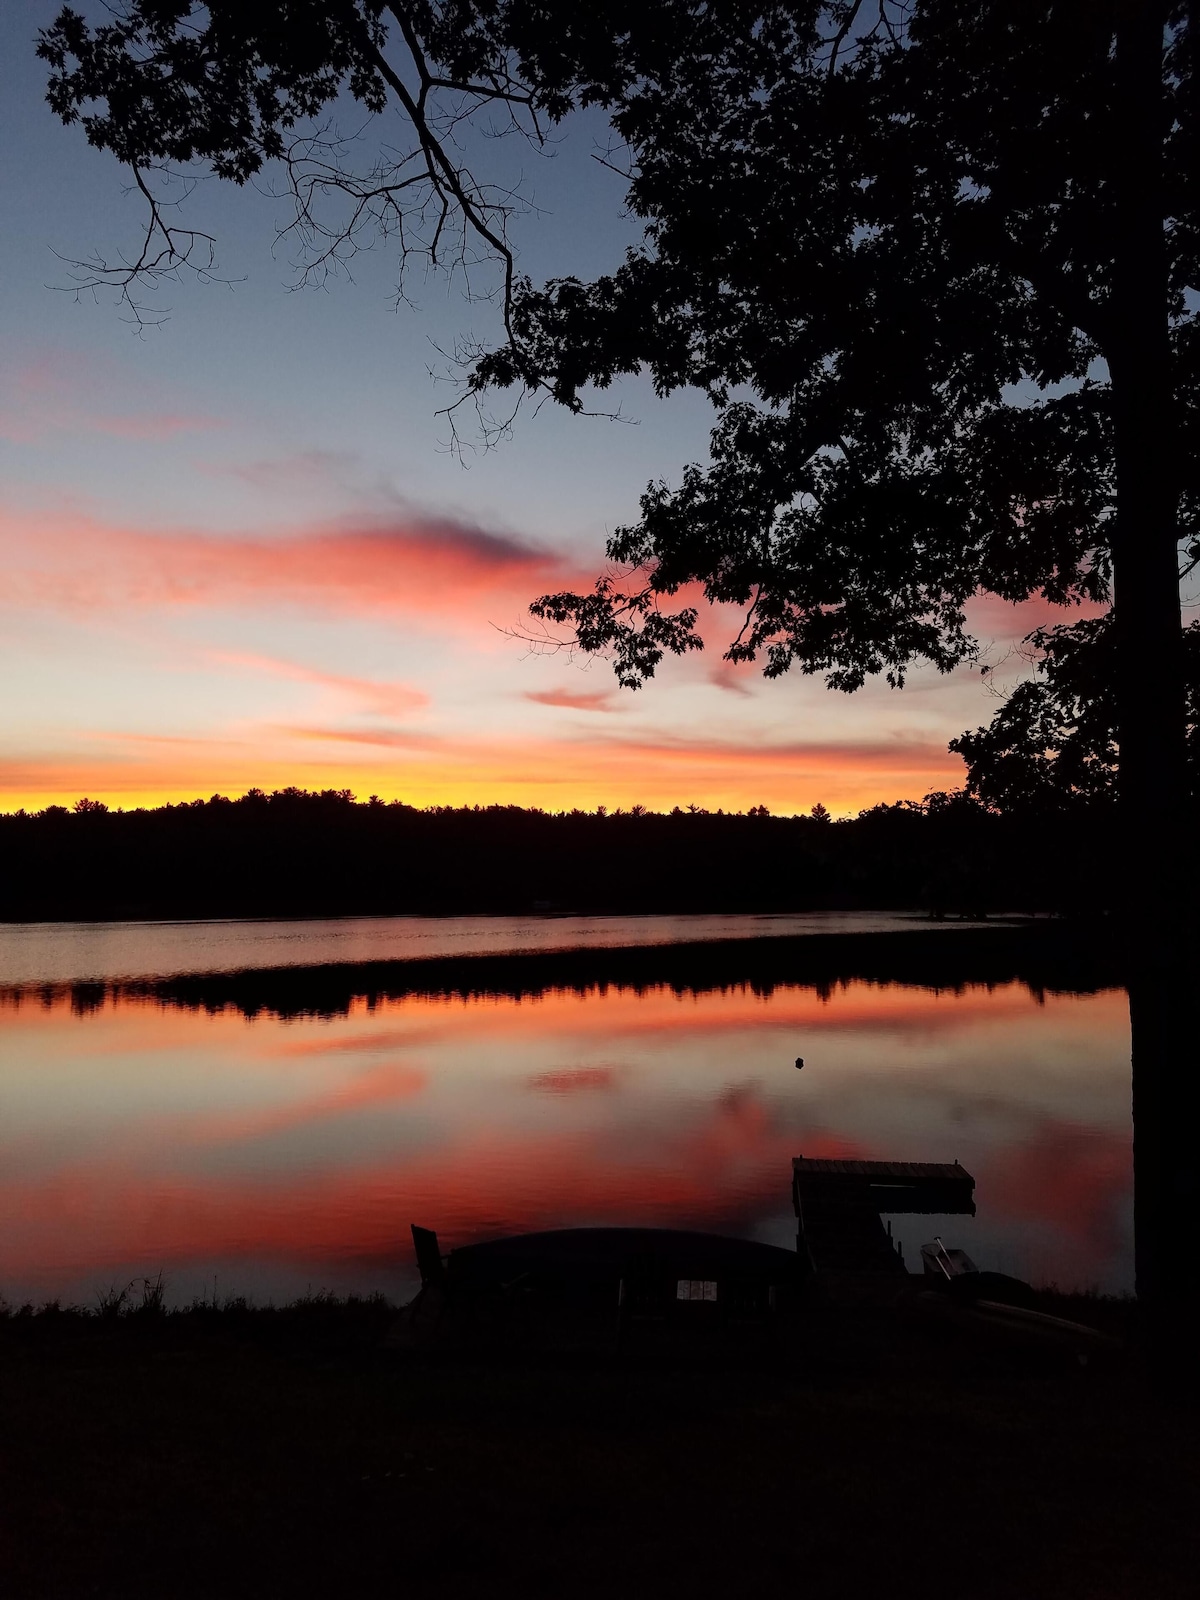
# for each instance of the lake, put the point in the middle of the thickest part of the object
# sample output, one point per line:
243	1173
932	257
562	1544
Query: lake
266	1149
80	952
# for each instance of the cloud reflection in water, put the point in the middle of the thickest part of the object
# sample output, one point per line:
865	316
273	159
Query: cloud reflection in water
281	1153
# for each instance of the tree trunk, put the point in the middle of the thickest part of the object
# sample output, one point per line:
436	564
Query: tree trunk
1150	695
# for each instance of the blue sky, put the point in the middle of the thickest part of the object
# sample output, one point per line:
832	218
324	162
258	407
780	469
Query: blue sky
236	549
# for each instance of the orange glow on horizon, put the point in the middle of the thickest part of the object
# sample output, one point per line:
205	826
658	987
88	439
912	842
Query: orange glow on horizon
556	776
269	641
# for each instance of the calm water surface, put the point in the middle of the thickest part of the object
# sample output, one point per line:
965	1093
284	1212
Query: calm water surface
273	1155
77	952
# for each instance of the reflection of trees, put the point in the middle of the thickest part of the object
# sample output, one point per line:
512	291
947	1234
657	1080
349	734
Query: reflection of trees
1045	959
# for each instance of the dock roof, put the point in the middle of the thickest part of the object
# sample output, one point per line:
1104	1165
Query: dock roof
941	1187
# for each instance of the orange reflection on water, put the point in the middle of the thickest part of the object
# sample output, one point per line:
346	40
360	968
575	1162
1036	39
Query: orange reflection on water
142	1136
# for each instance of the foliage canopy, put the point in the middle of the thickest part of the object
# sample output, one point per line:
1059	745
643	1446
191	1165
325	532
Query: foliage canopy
1054	742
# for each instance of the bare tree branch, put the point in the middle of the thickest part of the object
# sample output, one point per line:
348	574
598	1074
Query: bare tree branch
166	250
423	197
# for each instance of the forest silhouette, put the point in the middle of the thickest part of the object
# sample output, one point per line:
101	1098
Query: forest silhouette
295	853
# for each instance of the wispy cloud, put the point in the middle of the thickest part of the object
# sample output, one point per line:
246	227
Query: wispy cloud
574	700
731	677
898	753
999	624
369	565
150	425
386	699
382	738
301	471
443	579
53	395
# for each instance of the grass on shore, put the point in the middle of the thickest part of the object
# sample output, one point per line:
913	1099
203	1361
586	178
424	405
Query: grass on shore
234	1450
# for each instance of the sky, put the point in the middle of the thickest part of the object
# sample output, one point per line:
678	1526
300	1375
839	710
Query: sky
236	550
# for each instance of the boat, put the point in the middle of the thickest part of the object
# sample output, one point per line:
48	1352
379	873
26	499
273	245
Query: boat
588	1286
574	1285
996	1306
939	1263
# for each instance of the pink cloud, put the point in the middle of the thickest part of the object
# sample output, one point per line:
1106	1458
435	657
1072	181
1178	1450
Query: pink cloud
989	617
372	565
56	394
305	469
572	700
384	738
388	699
730	676
899	754
152	425
997	624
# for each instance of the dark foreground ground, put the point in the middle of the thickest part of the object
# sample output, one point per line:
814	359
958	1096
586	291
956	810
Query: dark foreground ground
269	1453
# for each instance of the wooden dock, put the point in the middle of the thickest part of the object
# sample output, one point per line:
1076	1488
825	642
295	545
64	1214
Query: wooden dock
839	1206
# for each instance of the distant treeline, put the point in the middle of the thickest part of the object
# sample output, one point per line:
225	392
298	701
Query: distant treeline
294	853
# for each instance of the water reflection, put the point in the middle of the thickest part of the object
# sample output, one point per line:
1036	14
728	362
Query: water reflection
90	952
287	1151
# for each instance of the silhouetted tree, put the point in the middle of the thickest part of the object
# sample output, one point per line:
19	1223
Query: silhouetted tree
934	262
937	269
236	84
1053	743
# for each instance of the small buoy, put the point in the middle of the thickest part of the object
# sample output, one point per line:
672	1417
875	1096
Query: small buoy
799	1062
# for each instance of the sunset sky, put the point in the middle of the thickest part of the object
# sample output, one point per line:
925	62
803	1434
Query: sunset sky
236	551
